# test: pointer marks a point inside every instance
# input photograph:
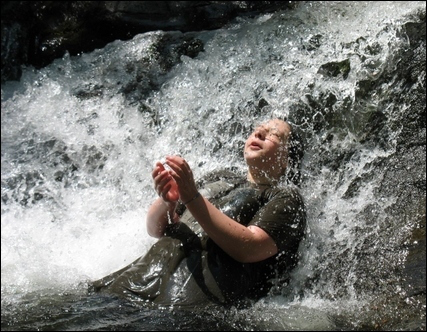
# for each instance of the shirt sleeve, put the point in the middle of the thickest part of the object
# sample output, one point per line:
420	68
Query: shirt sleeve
282	217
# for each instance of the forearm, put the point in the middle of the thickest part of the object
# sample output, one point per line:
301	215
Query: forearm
158	217
244	244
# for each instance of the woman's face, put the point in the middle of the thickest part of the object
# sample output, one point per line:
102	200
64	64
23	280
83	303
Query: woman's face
266	147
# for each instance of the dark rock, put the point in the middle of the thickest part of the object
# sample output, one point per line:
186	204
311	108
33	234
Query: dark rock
333	69
37	32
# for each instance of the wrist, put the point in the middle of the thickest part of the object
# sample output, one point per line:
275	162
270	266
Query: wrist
168	204
196	196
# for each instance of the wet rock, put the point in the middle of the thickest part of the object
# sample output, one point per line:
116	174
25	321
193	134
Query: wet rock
37	32
333	69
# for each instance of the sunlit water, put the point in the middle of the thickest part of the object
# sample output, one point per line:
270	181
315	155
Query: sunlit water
78	146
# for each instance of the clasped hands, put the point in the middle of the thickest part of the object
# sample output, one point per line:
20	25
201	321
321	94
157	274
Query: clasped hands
175	182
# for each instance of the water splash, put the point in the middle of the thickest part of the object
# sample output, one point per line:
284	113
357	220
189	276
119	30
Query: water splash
79	139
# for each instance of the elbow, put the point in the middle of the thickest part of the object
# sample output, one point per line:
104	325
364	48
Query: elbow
154	234
254	256
245	257
154	231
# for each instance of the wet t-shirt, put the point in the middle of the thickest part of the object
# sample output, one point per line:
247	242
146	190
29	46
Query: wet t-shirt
279	211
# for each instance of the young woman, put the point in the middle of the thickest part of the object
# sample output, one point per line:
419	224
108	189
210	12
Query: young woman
225	242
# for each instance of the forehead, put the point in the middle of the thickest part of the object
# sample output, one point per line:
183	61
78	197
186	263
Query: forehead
276	125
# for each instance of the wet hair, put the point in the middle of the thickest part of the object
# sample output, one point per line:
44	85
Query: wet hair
295	145
295	155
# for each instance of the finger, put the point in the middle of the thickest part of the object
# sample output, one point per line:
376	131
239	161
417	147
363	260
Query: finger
178	164
159	174
157	169
176	159
161	181
163	193
178	174
175	176
173	165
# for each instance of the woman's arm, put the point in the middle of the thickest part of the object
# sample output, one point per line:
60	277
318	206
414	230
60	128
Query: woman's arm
244	244
163	209
158	216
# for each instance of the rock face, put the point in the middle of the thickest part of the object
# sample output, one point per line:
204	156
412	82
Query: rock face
37	32
404	174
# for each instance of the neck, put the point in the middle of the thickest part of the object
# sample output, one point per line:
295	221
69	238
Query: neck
261	178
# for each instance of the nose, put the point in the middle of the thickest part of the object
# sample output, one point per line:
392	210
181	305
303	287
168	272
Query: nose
260	133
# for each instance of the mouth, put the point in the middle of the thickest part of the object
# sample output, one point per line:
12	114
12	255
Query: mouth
255	146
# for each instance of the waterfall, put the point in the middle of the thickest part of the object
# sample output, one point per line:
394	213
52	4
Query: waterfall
80	137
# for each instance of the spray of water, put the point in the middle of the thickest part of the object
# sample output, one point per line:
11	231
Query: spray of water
79	139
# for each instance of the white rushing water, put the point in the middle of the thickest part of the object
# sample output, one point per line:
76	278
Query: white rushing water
76	180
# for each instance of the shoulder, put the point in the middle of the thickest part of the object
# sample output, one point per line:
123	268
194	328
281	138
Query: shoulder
283	217
284	203
230	174
219	183
286	193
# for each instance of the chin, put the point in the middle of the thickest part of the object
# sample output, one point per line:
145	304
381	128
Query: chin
252	161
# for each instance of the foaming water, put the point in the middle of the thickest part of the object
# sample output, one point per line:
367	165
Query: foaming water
80	137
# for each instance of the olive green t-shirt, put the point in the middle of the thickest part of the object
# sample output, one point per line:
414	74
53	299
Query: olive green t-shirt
279	211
